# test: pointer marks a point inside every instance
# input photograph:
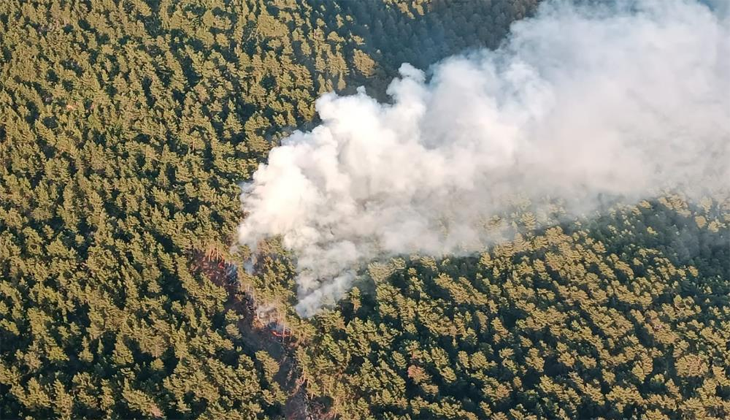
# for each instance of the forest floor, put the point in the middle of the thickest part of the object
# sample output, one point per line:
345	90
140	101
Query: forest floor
256	336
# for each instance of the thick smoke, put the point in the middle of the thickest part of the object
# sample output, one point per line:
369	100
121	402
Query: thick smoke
580	102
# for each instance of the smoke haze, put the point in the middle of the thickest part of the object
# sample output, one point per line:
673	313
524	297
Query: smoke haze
580	102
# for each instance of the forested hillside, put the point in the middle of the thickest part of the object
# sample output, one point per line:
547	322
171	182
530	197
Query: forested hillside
125	130
625	317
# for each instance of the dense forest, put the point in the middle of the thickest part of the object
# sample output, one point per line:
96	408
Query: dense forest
627	316
126	127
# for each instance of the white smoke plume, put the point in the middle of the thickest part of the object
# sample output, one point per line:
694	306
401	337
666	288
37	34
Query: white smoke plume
580	101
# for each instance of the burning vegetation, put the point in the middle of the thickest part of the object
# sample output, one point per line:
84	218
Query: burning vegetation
263	329
224	273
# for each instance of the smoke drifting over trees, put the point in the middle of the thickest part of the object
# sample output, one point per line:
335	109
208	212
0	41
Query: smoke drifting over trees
580	102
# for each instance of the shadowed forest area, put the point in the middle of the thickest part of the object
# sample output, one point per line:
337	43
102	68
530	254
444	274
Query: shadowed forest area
126	128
